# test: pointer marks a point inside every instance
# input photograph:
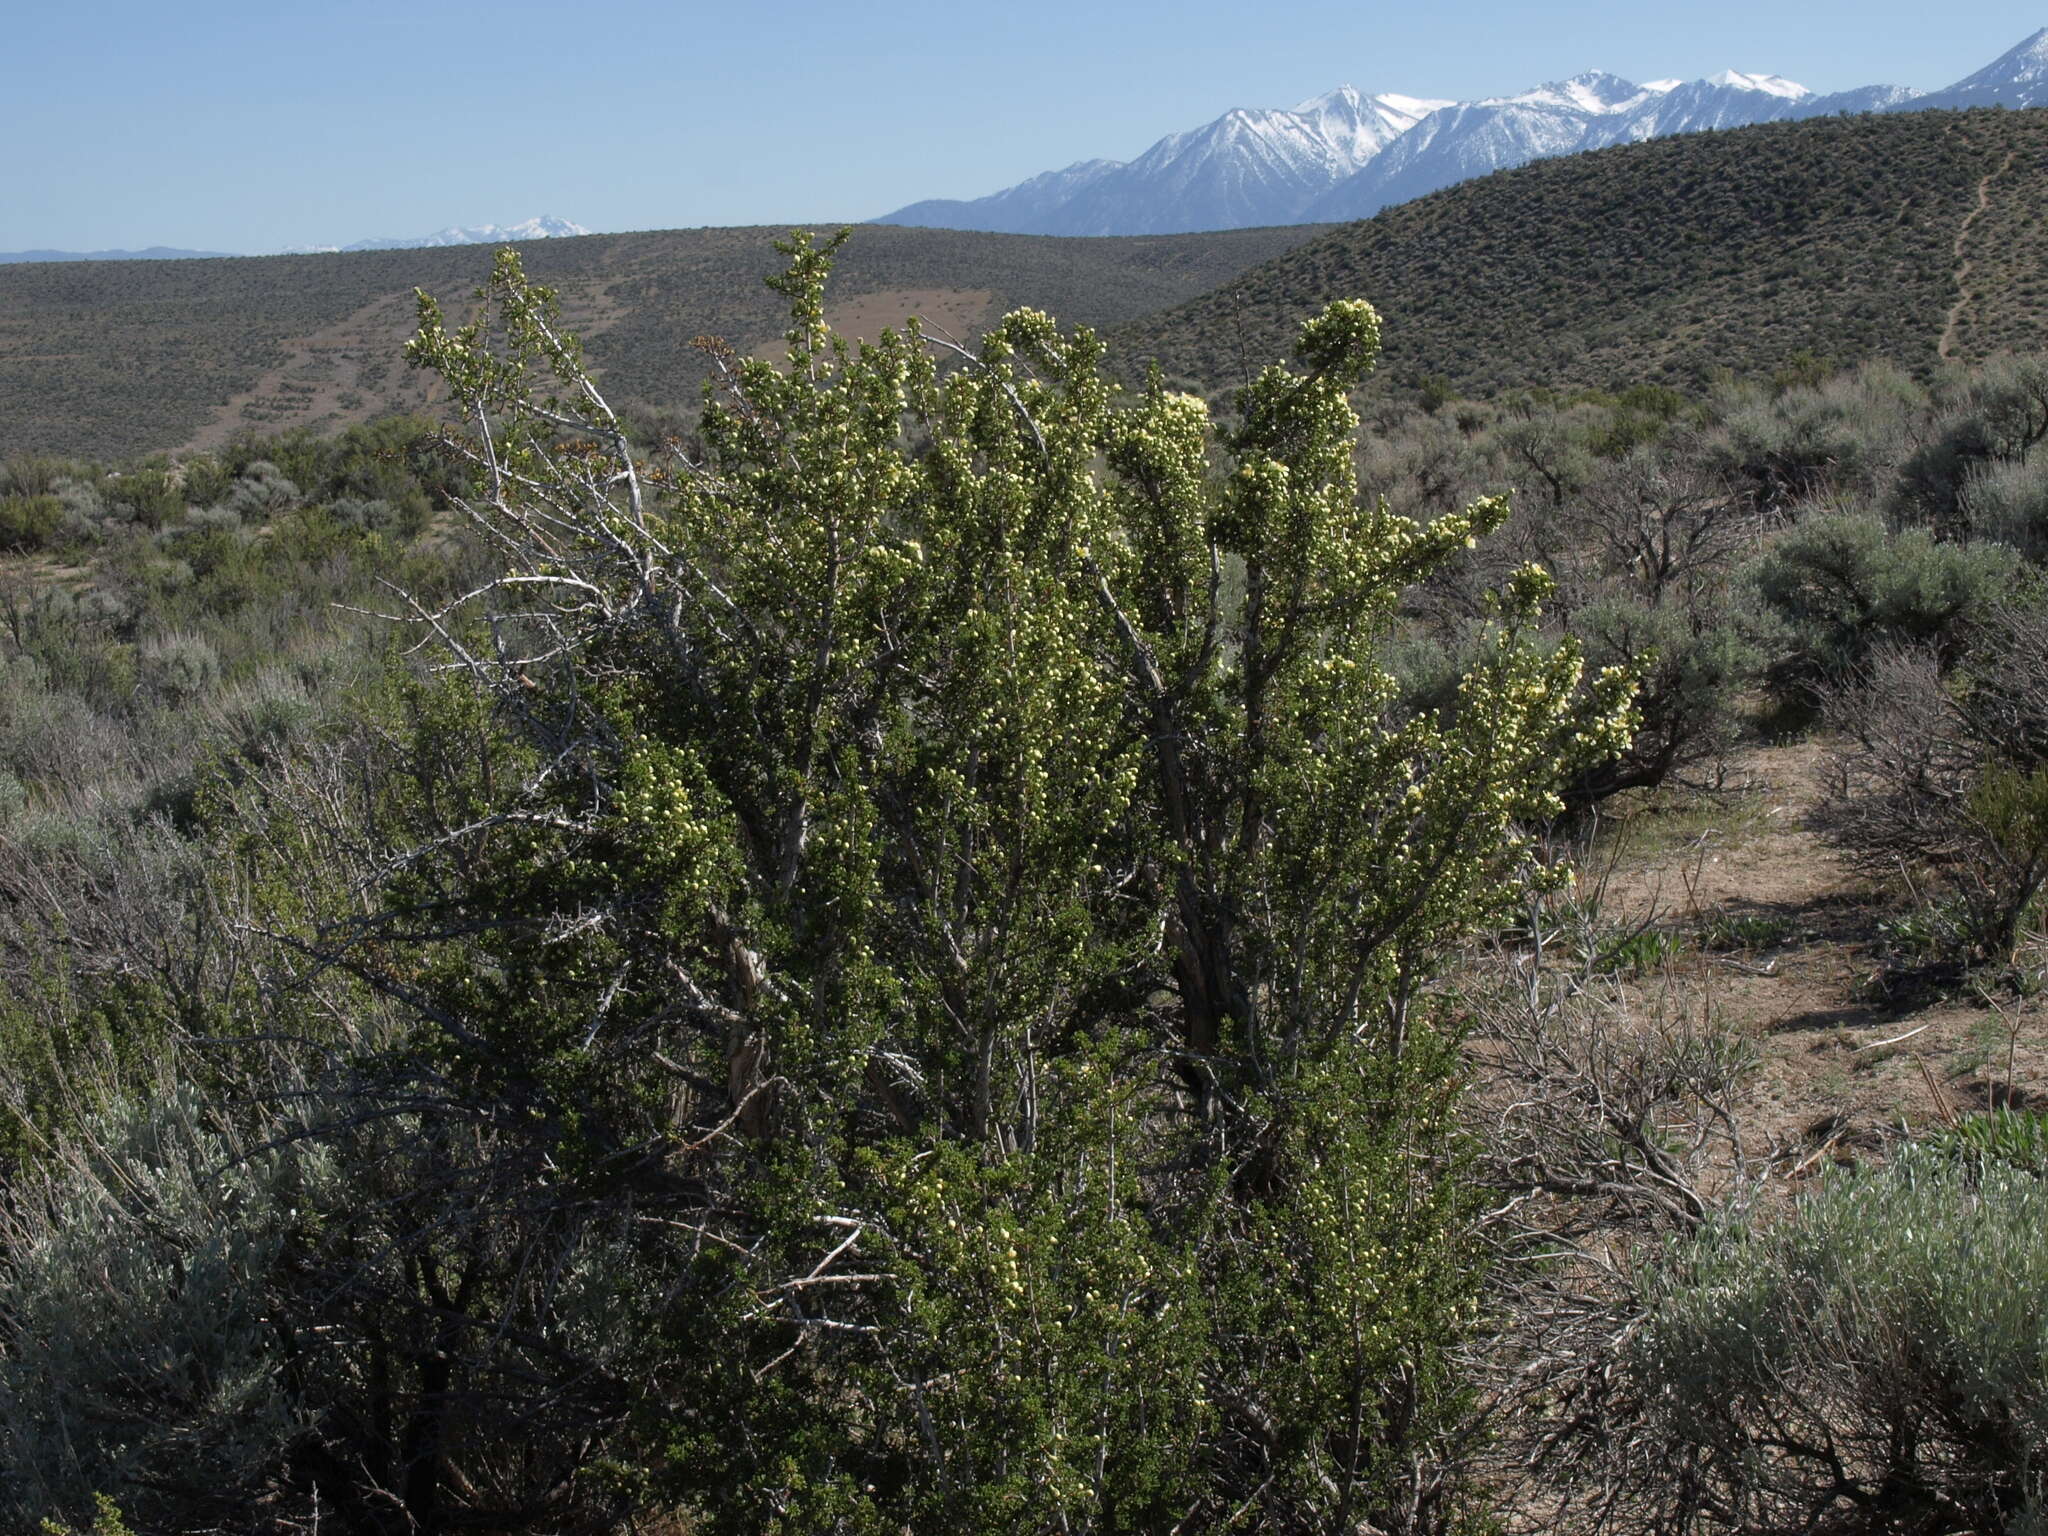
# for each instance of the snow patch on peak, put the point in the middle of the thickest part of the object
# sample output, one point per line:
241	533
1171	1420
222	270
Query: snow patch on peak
2033	50
1598	91
1595	92
1351	99
1769	85
1356	127
545	227
1662	87
1343	98
1415	106
2025	64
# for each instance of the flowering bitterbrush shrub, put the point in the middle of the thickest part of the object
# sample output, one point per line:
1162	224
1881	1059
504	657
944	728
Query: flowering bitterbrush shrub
903	945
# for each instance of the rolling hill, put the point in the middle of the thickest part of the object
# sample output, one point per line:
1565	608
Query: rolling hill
1914	237
110	360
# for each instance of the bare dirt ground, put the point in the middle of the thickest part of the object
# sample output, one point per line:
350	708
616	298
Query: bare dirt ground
956	313
1841	1067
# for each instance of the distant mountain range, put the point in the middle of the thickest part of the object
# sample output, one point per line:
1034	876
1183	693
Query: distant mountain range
1336	157
1346	155
154	253
546	227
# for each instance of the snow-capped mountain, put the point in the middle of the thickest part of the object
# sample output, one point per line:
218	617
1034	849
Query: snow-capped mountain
1589	111
1020	210
1347	155
2015	79
1473	138
1864	98
546	227
1731	99
1248	167
1359	127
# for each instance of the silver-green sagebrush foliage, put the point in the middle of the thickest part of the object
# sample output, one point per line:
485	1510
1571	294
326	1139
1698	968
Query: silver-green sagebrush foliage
140	1350
1877	1360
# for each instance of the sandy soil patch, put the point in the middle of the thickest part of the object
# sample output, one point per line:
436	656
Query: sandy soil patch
1841	1065
957	313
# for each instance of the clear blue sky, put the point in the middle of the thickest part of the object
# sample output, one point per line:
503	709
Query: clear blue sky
248	125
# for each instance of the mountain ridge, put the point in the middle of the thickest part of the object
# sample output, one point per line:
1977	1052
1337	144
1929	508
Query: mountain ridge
542	227
1253	167
152	253
1257	165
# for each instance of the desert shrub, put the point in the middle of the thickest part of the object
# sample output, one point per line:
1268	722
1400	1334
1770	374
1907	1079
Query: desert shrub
1946	778
1930	490
1425	461
257	719
2005	681
107	1520
1655	538
46	738
2018	1137
178	668
2006	810
204	520
150	497
85	509
1692	669
206	479
1608	1117
31	475
261	493
1635	418
1814	444
1664	523
2010	395
1746	931
1426	663
29	523
1991	420
1840	585
1547	454
138	1345
1876	1360
374	515
2009	502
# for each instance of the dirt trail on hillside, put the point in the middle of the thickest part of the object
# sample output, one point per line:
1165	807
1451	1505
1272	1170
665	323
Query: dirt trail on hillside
1945	348
1841	1067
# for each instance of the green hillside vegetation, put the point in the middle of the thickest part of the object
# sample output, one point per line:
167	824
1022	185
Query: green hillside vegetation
109	360
1839	239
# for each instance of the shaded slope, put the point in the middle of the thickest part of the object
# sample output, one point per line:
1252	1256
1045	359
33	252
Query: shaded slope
111	359
1670	260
